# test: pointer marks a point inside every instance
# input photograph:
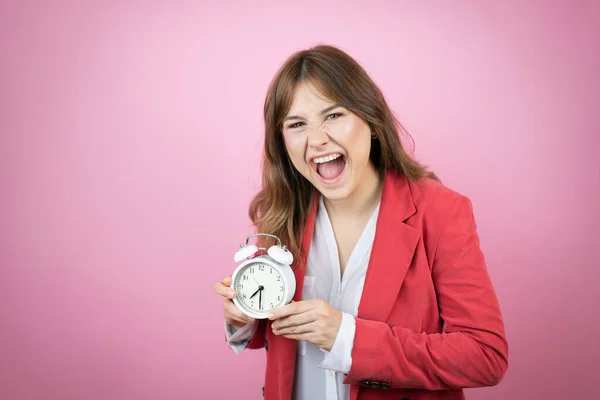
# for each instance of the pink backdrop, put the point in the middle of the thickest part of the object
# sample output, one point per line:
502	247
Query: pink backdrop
130	146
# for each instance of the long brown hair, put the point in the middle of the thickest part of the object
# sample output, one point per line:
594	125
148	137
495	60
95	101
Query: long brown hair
281	206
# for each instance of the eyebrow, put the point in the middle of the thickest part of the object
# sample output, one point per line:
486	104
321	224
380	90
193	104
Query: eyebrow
325	111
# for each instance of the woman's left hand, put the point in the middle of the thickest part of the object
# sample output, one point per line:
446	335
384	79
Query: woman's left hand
313	321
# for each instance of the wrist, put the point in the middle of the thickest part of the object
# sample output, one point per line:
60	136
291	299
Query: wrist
339	316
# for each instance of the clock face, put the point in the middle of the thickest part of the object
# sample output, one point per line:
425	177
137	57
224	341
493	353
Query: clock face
260	288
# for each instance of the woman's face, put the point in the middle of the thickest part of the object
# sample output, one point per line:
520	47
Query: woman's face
328	144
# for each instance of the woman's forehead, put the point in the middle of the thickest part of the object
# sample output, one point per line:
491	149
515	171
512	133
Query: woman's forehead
307	98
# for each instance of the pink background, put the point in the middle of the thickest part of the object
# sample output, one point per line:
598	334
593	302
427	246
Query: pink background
130	137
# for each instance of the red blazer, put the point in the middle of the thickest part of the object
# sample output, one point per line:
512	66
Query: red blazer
428	322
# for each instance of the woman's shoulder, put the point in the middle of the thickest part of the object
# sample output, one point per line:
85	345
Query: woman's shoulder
430	190
435	201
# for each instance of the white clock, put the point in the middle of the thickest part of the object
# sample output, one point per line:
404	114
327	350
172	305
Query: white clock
263	282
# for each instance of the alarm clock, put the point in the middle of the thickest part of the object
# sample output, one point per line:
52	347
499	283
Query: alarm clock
263	282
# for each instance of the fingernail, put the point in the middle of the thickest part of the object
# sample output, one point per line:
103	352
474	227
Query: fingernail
230	292
270	316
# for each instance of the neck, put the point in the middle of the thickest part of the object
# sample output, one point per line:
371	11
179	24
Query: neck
362	201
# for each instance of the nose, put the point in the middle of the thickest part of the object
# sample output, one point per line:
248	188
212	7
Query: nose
317	136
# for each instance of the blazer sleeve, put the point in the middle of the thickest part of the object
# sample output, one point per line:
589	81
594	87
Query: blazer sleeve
471	351
238	339
258	340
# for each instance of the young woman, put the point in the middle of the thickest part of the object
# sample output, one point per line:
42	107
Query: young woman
394	300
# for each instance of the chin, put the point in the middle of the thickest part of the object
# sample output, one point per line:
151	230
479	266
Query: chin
334	193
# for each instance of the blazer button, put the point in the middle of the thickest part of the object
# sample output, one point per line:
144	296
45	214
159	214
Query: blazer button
266	345
263	390
365	383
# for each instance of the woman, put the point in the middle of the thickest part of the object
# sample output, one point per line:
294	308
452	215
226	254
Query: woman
394	299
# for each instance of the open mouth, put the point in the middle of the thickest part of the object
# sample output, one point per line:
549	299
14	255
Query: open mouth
330	168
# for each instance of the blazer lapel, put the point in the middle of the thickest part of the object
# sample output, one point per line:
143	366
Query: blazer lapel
287	347
393	249
307	234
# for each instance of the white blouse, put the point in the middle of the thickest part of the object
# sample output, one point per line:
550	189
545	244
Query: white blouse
319	371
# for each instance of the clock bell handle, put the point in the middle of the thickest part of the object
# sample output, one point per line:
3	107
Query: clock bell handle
263	234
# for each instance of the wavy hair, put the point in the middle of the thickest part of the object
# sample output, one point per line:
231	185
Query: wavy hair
283	203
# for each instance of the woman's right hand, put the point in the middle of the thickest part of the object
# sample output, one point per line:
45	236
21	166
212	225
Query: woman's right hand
233	315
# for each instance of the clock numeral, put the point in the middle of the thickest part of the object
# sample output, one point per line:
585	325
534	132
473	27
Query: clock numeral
281	288
245	277
278	298
271	305
261	267
244	296
271	270
278	278
251	270
241	286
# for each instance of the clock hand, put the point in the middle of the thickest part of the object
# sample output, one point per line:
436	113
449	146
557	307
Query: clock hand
259	289
260	298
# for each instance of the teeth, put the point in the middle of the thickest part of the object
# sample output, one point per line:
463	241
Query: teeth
328	158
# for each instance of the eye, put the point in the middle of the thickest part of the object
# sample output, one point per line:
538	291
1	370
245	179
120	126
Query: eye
295	125
334	116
